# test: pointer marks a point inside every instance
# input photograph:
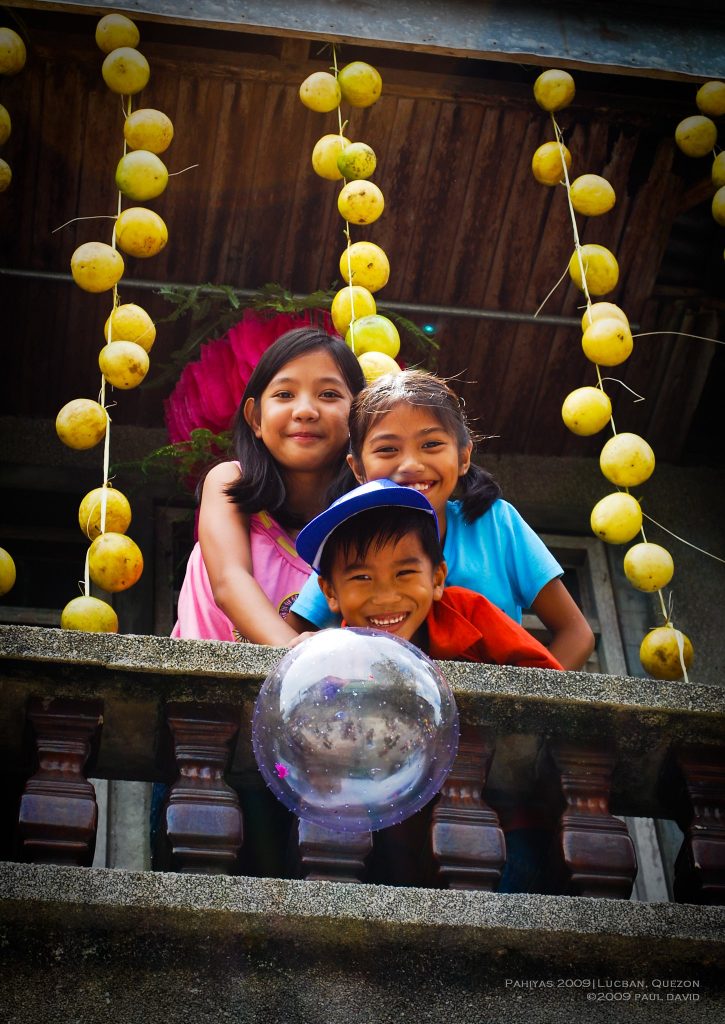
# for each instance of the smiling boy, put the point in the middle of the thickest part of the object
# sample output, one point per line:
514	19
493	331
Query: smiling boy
380	565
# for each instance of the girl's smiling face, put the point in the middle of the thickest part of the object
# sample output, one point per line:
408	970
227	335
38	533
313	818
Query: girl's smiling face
410	446
302	414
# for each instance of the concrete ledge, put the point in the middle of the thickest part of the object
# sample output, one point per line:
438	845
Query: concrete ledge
268	949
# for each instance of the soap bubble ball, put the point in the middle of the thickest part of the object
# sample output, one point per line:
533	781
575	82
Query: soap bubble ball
355	729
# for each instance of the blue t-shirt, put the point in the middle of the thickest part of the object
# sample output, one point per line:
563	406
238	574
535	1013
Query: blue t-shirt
497	555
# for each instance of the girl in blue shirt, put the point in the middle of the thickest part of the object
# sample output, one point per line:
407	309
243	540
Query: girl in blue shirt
410	427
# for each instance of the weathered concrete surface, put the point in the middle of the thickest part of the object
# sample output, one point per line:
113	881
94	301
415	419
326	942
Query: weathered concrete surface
89	945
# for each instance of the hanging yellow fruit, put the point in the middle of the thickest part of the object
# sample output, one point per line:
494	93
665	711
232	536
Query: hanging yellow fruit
373	334
591	195
360	84
586	411
118	512
718	206
7	572
600	267
89	614
602	310
360	202
546	164
627	460
718	170
96	267
124	364
141	175
325	154
125	71
659	652
12	52
357	161
115	562
376	364
648	567
150	129
115	30
696	135
129	322
554	89
710	99
6	175
348	301
141	232
616	518
5	125
607	342
368	263
81	423
320	92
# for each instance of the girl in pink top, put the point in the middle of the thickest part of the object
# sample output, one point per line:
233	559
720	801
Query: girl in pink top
290	436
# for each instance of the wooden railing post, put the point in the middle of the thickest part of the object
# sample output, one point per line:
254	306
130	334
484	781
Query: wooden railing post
335	856
597	851
700	864
58	813
467	841
202	819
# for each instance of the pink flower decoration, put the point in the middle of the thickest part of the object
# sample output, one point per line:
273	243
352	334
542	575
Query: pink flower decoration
281	770
210	388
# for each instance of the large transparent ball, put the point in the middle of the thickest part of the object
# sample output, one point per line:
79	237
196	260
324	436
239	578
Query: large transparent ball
355	729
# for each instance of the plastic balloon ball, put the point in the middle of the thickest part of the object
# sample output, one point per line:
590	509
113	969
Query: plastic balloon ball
355	730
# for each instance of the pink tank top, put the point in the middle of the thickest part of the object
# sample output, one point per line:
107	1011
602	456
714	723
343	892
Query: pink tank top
276	567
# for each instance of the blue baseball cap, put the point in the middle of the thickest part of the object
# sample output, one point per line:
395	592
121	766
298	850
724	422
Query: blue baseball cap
376	494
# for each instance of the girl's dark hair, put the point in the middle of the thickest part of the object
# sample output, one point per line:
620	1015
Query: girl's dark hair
261	485
376	527
477	489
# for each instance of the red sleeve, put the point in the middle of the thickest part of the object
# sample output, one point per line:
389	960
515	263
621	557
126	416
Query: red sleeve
503	641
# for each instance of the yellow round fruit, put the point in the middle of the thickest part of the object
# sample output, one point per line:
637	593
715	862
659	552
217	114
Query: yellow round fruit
659	652
546	163
373	333
554	89
718	206
7	572
118	512
6	175
141	175
718	170
148	129
648	567
5	125
351	301
141	232
360	84
96	267
591	195
601	311
627	460
586	411
115	562
125	71
325	154
89	614
696	135
360	202
129	322
124	364
710	99
115	30
12	52
376	364
607	342
600	267
81	423
368	263
357	161
320	92
616	518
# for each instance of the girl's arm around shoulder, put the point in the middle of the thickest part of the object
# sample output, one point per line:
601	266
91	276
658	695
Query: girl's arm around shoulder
572	638
226	549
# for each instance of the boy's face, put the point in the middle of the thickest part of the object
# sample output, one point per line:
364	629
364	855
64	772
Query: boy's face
391	588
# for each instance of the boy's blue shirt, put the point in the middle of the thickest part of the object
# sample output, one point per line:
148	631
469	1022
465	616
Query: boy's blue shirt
498	555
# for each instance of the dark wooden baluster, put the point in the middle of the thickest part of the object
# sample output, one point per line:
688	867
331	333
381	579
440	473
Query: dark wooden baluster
468	844
700	865
202	819
336	856
58	813
598	854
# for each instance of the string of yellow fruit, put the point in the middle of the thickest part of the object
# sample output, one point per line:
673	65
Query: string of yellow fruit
626	459
364	266
696	136
12	60
114	561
